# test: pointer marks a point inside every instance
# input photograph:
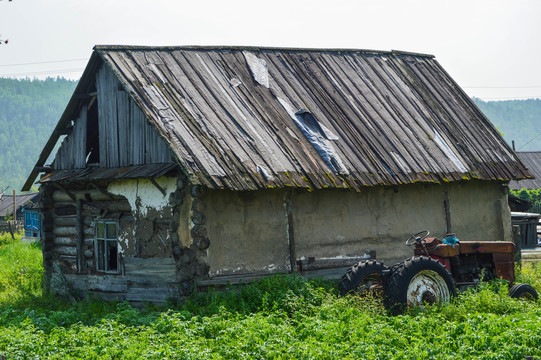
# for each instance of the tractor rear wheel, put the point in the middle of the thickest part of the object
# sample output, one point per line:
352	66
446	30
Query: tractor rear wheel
523	292
363	277
417	281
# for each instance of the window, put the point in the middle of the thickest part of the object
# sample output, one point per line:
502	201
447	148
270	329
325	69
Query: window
32	221
107	246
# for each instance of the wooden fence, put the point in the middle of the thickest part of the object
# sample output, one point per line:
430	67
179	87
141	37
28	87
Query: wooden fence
11	226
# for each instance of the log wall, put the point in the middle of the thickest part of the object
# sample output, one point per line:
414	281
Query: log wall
151	261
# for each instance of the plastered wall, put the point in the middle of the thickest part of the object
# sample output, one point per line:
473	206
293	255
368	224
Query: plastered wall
248	232
337	224
480	211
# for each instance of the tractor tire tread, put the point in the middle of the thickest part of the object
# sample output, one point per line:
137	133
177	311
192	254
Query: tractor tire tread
518	290
402	273
357	273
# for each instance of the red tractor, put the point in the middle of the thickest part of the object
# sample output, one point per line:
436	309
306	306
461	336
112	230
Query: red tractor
436	271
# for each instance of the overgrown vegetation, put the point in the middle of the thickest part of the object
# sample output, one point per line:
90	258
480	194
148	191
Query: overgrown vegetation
284	317
21	270
533	195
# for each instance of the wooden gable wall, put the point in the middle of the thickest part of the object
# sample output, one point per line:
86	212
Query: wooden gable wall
72	152
125	136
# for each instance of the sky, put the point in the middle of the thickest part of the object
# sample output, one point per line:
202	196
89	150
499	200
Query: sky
491	48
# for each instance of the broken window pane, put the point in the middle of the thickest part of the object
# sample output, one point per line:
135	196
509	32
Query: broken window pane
112	247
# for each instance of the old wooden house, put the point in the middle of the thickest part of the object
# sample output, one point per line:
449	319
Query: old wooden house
194	166
27	214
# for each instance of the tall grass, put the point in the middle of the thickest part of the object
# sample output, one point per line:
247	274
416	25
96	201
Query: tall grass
5	238
283	317
530	273
21	270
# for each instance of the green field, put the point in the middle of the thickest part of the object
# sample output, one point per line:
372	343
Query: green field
284	317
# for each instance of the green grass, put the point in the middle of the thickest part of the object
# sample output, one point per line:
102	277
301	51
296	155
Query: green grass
284	317
21	270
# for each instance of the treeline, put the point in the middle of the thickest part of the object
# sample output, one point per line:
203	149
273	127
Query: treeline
518	120
29	110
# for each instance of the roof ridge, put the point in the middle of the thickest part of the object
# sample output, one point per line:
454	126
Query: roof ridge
257	48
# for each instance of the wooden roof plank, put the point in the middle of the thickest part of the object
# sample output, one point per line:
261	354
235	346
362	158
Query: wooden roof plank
295	90
379	114
446	113
398	117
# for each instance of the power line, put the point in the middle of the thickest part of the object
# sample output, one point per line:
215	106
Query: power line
535	137
503	87
510	98
44	62
44	72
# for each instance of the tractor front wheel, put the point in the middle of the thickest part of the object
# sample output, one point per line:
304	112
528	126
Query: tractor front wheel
417	281
523	292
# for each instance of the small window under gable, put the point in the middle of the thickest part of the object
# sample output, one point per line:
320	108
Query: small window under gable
92	135
107	246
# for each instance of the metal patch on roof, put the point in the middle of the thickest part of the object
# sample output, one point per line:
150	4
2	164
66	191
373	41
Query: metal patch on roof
328	133
447	150
322	145
310	121
258	68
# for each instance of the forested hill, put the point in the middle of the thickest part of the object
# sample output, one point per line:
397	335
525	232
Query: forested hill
30	109
518	120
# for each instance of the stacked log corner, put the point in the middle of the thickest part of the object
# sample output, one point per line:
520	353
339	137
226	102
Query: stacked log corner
191	259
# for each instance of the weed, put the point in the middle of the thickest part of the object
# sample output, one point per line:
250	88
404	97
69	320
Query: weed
21	272
287	317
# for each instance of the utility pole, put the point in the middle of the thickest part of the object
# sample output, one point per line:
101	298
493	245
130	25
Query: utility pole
14	216
14	207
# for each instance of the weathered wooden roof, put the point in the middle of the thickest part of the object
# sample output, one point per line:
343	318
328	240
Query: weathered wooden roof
252	118
6	202
95	173
532	160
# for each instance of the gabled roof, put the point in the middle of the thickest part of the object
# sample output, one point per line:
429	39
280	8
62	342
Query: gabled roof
250	118
6	202
532	160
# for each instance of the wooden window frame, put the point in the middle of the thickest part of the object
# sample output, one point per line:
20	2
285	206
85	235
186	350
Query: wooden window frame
32	223
107	239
